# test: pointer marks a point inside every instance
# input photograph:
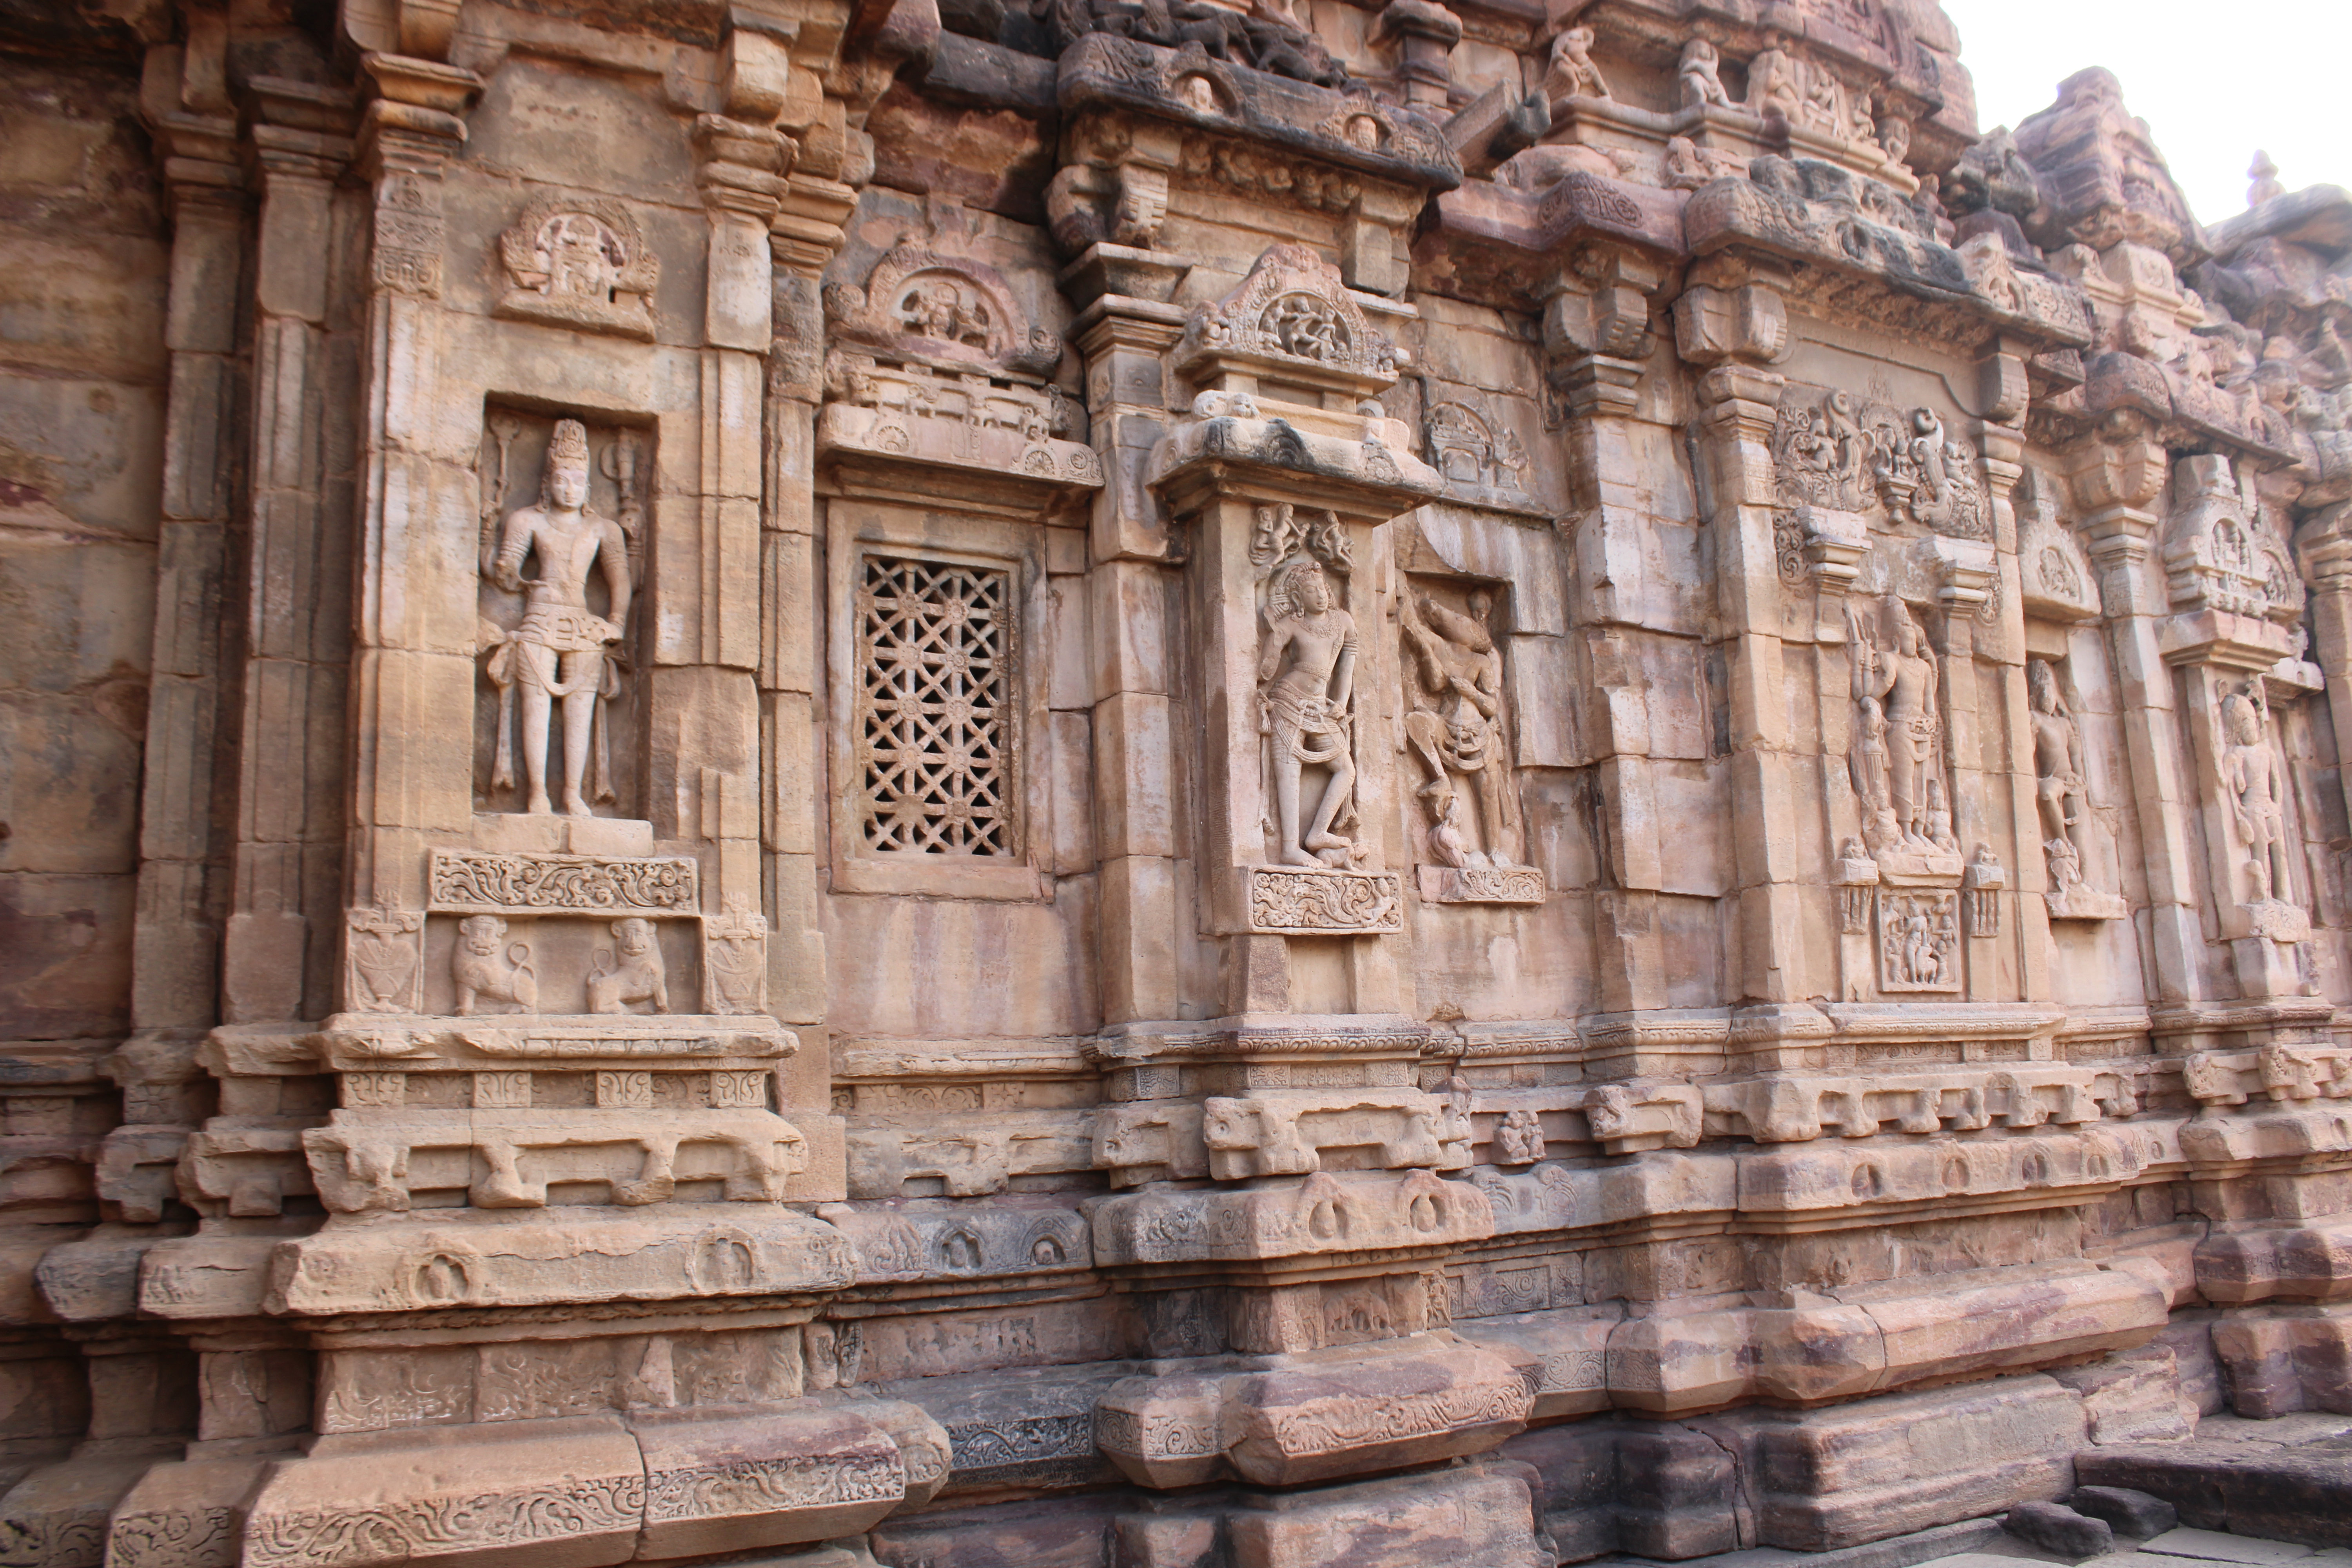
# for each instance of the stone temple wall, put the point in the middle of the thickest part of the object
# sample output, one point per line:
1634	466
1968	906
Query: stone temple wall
1140	783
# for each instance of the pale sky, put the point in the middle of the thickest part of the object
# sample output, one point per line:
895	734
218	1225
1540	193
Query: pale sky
2214	79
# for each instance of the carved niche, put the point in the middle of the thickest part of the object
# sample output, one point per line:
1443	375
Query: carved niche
562	554
1469	833
580	262
1309	736
527	935
2062	800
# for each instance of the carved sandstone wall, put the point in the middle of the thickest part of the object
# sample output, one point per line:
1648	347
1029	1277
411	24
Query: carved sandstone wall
1125	785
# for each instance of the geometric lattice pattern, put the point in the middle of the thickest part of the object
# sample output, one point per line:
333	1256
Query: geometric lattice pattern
934	721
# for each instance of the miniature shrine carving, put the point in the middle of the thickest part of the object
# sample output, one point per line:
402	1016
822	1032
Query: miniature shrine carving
580	262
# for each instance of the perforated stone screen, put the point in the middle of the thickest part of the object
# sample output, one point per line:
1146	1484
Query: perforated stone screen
935	657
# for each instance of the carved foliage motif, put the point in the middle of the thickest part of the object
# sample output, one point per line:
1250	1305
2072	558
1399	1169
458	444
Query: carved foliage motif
434	1526
580	261
766	1486
735	959
465	879
934	723
1314	902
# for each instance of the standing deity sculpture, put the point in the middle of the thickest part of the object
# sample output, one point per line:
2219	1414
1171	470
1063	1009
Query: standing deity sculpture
1896	758
558	650
1307	671
2057	765
1455	688
2257	790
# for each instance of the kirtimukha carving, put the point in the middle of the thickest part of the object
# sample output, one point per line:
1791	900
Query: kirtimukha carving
561	650
1305	673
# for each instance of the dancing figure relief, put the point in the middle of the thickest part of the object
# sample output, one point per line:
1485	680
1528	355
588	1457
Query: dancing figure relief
1307	671
1454	728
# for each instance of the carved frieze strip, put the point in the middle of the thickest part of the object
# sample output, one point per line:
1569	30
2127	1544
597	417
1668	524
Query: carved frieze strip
2309	1017
468	882
898	1246
1255	1037
1350	1212
1325	903
2042	1166
437	1260
970	1155
1853	230
1105	71
359	1042
857	1060
364	1160
1481	885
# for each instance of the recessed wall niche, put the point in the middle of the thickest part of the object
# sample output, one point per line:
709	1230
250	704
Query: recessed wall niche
547	635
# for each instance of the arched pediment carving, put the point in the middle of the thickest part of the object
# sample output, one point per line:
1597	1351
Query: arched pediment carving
931	306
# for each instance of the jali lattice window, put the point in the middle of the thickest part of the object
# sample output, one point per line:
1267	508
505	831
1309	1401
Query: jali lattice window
935	707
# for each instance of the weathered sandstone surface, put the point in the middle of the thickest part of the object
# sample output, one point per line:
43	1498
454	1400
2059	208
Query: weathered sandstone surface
1141	784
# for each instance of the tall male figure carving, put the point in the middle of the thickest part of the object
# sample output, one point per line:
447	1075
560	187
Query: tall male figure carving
558	649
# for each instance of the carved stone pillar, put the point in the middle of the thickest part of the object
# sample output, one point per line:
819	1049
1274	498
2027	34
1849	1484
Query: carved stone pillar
1278	478
1741	404
2117	482
2324	545
285	920
2232	588
176	930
